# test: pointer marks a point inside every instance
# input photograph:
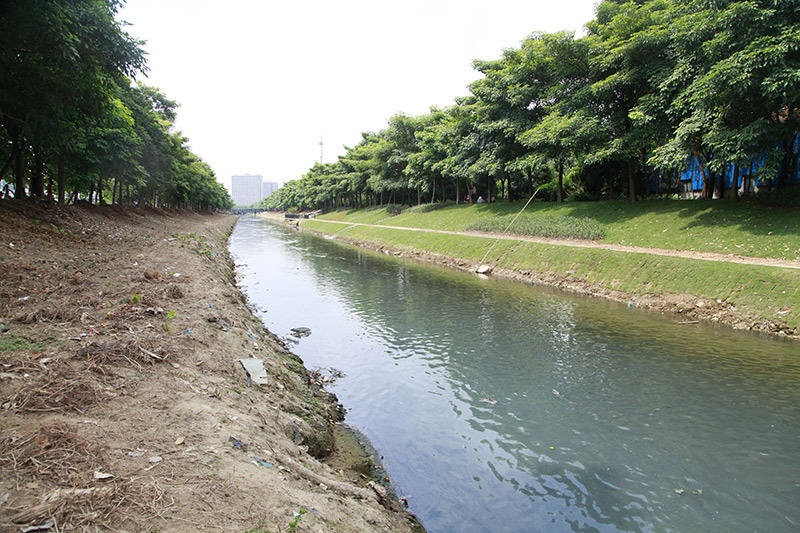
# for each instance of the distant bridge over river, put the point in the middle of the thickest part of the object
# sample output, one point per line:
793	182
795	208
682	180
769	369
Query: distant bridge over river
254	210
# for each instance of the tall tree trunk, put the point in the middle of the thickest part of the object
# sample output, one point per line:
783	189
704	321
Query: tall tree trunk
733	193
707	190
100	190
37	176
61	180
7	166
114	190
458	189
91	193
677	181
14	134
508	189
631	180
560	190
433	194
788	164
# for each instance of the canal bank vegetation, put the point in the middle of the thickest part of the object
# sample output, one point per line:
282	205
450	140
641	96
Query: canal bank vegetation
661	98
718	226
672	125
76	127
543	226
122	402
752	297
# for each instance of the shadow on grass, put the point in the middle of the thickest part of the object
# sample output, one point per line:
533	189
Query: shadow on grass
755	219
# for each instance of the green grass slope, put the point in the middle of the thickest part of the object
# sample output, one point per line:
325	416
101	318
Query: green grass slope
362	216
756	292
722	226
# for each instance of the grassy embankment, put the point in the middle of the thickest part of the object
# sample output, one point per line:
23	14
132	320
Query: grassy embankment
756	297
701	225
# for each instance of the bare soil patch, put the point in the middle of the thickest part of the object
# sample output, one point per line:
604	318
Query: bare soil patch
122	401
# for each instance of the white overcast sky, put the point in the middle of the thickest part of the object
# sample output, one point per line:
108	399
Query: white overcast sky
259	81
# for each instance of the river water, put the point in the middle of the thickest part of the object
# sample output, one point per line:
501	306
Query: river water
503	407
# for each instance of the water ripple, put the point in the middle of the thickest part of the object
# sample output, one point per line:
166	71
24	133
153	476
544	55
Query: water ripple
501	407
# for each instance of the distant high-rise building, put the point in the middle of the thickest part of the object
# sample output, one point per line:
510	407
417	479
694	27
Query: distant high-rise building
267	188
246	189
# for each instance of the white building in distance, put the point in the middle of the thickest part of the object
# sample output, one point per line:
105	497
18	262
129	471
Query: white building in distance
267	188
246	189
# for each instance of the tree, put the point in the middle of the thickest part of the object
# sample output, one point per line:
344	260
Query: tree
561	137
55	62
654	83
69	110
748	96
629	57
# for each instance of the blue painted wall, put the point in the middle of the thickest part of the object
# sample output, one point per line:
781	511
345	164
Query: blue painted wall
693	174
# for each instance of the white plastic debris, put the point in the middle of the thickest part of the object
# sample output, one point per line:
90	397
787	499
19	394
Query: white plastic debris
254	368
102	475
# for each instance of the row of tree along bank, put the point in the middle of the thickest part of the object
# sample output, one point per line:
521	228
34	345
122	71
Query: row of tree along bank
654	87
75	126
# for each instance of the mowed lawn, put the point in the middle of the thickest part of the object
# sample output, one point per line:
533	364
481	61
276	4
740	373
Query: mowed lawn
758	292
723	226
362	216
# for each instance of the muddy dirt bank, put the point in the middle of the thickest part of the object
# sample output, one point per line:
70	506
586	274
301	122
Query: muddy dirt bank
123	405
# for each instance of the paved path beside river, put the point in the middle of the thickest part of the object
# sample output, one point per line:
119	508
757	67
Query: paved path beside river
689	254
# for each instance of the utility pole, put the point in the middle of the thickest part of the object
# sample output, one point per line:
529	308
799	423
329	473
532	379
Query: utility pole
320	149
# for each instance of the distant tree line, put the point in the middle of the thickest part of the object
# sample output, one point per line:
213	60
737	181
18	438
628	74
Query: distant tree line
74	126
652	84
